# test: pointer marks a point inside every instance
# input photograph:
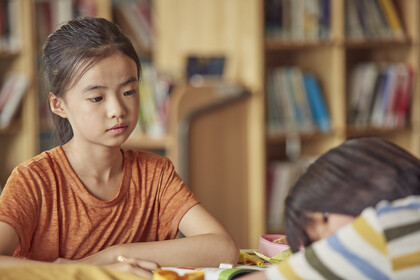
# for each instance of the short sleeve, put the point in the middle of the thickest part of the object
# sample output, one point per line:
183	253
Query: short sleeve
175	199
19	205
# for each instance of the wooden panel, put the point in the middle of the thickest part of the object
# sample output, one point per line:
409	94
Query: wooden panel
211	152
218	167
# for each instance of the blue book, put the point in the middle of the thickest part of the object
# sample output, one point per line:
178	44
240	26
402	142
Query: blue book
324	19
319	110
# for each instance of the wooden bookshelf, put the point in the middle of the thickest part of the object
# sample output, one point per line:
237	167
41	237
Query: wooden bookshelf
333	62
236	29
19	140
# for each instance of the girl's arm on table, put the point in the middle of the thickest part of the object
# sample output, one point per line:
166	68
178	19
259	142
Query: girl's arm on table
207	244
9	241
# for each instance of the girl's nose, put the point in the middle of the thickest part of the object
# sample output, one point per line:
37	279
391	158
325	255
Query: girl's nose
116	109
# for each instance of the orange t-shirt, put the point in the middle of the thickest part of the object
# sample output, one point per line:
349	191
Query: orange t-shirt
56	217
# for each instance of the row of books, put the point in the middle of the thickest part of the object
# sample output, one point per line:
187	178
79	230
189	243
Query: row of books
135	18
297	19
50	14
281	176
380	94
373	19
295	102
12	91
154	102
9	25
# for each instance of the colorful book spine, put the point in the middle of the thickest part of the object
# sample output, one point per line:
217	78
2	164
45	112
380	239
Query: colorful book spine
316	101
14	91
392	18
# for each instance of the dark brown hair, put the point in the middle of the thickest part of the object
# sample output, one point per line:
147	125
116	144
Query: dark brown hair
72	50
347	179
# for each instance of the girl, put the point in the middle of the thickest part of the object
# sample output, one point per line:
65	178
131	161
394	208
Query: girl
88	200
349	181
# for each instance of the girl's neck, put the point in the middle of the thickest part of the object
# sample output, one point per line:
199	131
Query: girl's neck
97	162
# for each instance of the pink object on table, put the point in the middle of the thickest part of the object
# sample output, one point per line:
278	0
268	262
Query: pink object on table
270	249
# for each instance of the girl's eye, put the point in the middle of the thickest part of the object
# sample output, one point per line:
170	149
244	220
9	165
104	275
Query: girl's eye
130	92
96	99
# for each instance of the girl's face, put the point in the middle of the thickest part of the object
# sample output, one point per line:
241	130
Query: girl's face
103	106
325	224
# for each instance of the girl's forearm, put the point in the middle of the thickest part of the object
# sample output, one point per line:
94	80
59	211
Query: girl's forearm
8	261
205	250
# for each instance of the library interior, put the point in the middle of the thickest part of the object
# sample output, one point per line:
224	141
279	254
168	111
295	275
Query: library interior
241	95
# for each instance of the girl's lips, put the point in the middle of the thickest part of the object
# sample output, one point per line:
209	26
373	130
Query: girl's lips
118	129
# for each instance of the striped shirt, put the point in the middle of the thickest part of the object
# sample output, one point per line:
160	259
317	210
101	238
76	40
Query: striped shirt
382	243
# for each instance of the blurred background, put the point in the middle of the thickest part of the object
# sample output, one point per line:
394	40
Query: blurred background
240	94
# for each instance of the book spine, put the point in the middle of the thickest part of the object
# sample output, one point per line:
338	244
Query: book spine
324	19
275	117
391	16
353	25
13	101
317	103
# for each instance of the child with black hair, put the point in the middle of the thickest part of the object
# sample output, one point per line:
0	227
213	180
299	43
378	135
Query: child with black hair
356	210
88	200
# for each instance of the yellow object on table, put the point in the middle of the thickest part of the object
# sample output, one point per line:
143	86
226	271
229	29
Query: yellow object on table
244	258
284	255
163	274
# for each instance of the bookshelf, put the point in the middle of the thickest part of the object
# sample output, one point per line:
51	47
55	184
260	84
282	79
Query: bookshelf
19	140
237	30
333	60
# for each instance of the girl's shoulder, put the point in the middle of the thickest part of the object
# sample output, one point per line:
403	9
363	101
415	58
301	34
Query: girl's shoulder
53	158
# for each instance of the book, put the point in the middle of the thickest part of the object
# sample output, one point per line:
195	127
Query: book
353	25
11	95
273	10
317	103
324	19
399	107
297	20
311	15
380	106
379	19
362	86
9	25
62	11
205	273
274	112
302	108
154	101
282	173
136	22
388	9
85	8
284	92
282	176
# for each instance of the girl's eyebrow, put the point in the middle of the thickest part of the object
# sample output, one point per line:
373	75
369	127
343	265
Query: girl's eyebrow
129	81
95	87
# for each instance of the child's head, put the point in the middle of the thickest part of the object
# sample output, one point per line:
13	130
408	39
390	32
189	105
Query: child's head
353	176
72	50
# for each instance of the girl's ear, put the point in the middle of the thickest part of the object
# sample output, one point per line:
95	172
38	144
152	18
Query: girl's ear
56	105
